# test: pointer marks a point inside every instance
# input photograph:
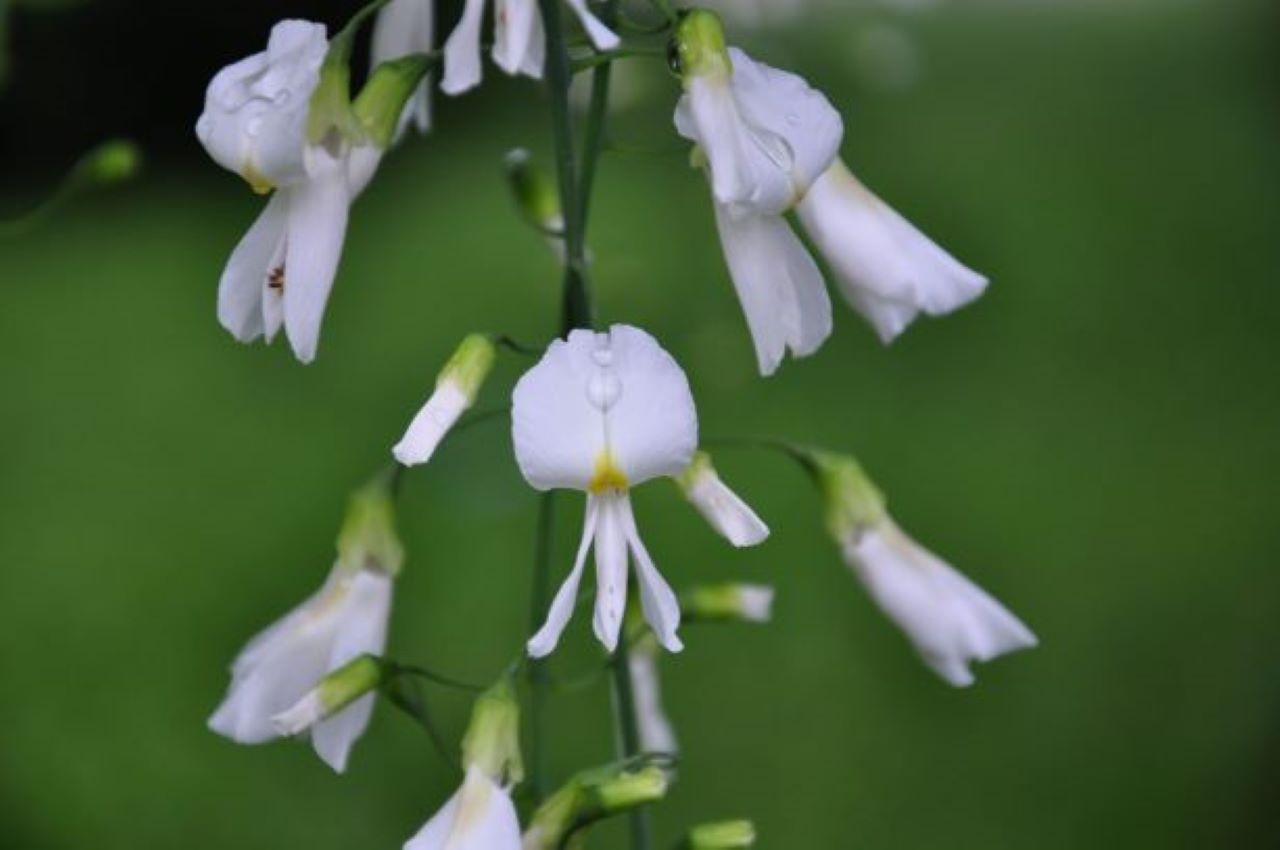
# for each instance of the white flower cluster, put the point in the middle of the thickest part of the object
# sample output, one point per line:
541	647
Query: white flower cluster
601	412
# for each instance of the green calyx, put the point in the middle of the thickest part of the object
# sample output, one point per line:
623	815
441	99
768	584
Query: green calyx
349	682
492	741
470	364
368	539
853	502
382	100
589	797
697	48
700	466
536	194
721	835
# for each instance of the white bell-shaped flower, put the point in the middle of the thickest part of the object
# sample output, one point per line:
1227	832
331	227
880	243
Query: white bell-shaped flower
886	269
948	619
347	618
404	27
255	112
655	731
601	413
519	42
480	816
282	271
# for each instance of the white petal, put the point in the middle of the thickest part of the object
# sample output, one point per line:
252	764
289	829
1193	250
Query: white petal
535	56
544	642
317	225
245	277
304	714
779	285
404	27
462	68
885	267
481	816
736	174
601	36
362	163
652	424
757	602
611	569
724	510
362	630
657	600
950	621
786	106
514	23
656	732
557	432
433	421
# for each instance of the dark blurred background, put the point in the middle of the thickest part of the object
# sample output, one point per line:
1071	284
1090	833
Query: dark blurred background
1095	441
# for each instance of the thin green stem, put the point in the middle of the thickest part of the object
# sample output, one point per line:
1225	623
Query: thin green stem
597	115
629	737
539	679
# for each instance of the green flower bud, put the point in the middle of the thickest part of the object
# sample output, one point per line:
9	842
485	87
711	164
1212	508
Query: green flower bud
336	691
589	797
113	161
628	790
368	539
492	742
697	48
722	835
537	196
853	503
735	603
382	100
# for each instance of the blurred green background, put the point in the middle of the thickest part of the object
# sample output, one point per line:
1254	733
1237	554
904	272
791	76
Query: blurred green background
1095	441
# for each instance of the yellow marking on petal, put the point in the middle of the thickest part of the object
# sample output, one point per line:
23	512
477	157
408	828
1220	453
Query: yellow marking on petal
259	184
608	476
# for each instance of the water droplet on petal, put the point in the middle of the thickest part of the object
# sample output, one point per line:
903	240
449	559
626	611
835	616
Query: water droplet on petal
253	126
603	390
602	357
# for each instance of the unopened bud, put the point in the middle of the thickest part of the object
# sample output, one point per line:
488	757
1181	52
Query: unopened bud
697	48
589	797
335	692
535	193
628	790
113	161
382	100
457	386
853	503
368	539
740	603
720	506
492	742
722	835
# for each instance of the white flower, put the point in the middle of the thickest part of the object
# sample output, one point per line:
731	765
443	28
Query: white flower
655	730
255	111
770	145
519	41
281	272
281	665
948	619
404	27
887	269
480	816
601	413
455	392
720	506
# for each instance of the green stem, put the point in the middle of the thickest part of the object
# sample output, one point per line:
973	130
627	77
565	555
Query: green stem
539	680
629	736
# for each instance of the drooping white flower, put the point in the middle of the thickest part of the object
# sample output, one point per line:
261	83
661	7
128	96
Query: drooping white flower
277	668
481	815
720	506
731	602
404	27
950	621
276	681
518	44
455	392
255	123
601	413
886	269
770	143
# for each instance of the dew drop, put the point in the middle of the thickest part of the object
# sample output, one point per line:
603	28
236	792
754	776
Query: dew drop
254	126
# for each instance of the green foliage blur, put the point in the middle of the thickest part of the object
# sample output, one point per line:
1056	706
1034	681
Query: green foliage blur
1095	441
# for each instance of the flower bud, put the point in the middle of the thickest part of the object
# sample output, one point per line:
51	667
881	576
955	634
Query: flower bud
589	797
697	48
113	161
536	195
492	742
721	835
457	386
735	603
382	100
335	692
368	539
853	503
720	506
